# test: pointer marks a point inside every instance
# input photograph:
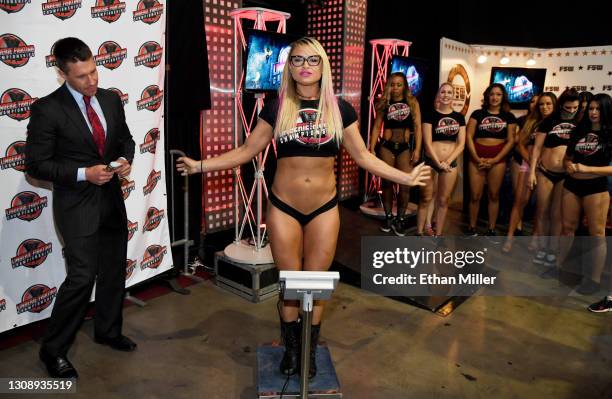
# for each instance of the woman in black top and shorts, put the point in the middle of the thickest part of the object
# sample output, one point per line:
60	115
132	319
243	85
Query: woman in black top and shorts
303	218
398	111
444	140
585	188
490	137
552	137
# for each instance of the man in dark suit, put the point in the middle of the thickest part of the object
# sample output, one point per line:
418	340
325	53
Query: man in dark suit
73	136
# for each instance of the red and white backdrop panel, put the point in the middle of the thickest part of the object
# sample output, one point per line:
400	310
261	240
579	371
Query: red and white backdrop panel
127	39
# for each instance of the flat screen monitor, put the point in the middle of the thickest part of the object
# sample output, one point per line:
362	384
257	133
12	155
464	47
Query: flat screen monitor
267	53
414	69
521	83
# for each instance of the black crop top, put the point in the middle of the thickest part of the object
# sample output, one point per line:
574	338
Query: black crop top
306	139
398	116
591	149
558	132
444	127
494	126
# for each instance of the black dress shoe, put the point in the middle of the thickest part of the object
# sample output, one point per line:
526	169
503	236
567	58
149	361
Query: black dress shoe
58	366
120	343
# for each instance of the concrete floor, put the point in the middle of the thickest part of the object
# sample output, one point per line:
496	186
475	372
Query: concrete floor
203	346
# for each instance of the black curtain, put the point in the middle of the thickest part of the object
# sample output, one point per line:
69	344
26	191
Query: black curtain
187	92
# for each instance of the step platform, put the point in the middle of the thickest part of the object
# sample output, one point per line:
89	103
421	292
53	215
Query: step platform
270	380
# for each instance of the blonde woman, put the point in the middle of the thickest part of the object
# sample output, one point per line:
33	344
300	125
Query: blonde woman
444	139
398	112
303	219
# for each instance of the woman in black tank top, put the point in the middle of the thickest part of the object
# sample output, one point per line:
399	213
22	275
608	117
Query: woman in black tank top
397	117
303	219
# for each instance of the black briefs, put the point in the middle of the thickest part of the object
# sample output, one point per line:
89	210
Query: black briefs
430	162
396	147
297	215
585	187
554	177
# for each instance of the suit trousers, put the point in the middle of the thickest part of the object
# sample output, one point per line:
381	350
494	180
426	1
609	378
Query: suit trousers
99	258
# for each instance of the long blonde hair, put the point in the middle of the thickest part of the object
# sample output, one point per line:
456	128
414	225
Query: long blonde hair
535	117
289	102
407	96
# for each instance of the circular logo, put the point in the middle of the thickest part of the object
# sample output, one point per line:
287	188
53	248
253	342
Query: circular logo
492	124
447	126
34	292
14	52
108	10
588	145
62	9
129	268
148	11
151	98
13	6
308	132
28	205
127	187
15	103
110	55
398	112
460	81
15	155
149	54
122	96
563	130
35	252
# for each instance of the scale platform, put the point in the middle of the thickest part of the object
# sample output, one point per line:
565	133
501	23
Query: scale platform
270	380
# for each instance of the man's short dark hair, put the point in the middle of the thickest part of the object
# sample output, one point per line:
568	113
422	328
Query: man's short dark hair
70	49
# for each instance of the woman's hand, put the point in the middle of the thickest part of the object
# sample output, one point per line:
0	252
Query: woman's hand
444	166
187	166
419	176
532	181
415	158
485	163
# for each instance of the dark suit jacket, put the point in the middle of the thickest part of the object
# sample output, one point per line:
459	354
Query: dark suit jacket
59	142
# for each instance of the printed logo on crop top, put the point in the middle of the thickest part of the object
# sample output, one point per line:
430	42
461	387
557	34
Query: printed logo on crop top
447	127
305	131
398	112
588	145
492	124
563	130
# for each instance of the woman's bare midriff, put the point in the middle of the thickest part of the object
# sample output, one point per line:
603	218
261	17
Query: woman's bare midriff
305	183
443	149
397	135
552	158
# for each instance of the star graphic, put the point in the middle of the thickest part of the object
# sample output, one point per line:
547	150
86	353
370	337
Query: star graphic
594	52
550	54
567	53
566	87
576	53
554	73
604	52
558	54
580	67
585	53
592	88
609	73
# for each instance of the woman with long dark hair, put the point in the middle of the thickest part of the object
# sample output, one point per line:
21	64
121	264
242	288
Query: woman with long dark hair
546	173
587	162
490	137
399	117
303	218
545	106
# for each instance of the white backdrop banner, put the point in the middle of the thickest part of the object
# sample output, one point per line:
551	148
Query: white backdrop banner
127	39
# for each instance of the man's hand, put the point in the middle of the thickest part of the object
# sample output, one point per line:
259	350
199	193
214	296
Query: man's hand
98	175
124	169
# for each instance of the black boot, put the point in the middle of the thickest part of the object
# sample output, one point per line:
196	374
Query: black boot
291	333
314	341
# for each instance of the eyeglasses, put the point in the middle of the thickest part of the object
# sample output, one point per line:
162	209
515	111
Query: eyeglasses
298	60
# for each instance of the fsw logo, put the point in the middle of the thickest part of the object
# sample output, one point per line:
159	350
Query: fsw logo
129	268
127	186
150	98
12	6
31	253
154	218
124	97
150	141
62	9
132	228
148	11
153	256
36	298
14	156
16	103
27	205
108	10
14	52
149	55
152	180
110	55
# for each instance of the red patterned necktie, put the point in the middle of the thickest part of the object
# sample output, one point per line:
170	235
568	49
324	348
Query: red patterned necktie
96	126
